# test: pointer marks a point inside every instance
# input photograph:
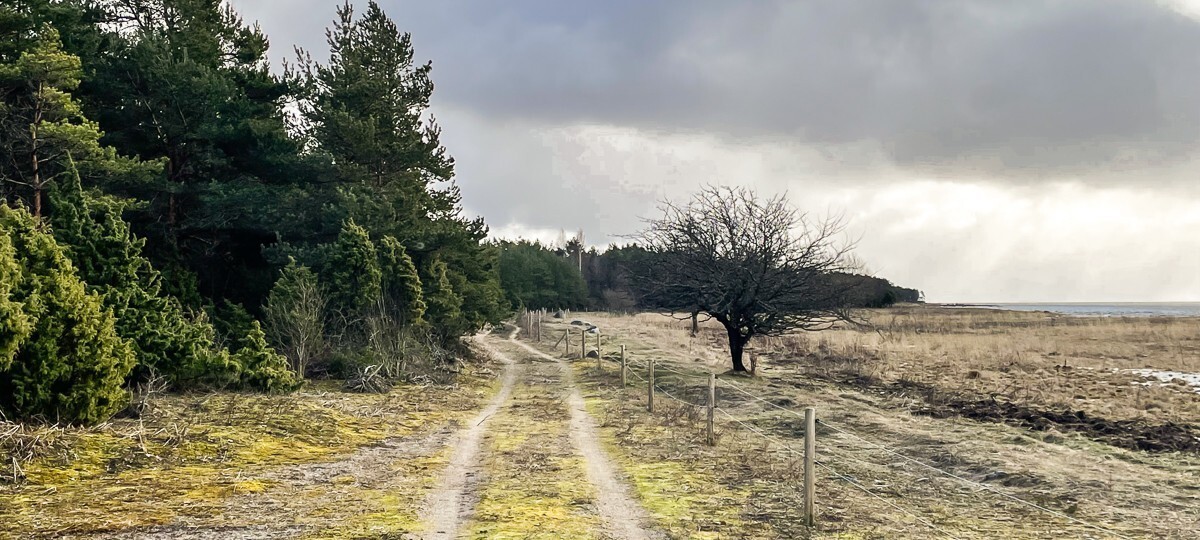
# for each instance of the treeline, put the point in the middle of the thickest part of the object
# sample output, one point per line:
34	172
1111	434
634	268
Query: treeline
172	209
536	276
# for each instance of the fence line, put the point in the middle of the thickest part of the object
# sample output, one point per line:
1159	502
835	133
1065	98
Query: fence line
795	452
896	453
821	463
846	432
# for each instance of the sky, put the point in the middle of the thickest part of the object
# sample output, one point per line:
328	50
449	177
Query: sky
981	151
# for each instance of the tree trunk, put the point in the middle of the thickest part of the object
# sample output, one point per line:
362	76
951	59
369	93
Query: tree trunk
37	171
737	344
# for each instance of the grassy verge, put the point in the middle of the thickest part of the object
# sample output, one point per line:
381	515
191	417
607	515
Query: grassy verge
1068	474
190	456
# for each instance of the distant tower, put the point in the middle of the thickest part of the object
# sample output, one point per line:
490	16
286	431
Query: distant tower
579	238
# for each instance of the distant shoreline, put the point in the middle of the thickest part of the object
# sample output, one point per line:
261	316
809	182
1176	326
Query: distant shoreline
1089	309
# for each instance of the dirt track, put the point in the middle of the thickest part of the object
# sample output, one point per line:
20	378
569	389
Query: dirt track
449	505
621	516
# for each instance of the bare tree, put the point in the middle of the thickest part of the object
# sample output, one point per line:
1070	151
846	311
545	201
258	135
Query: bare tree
755	265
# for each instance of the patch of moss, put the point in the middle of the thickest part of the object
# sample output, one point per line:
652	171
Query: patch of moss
377	512
536	486
195	452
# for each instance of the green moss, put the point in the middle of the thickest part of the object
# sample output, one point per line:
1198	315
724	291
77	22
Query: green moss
362	512
536	484
686	497
195	452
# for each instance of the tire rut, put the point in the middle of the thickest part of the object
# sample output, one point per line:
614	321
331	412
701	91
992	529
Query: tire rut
622	517
450	504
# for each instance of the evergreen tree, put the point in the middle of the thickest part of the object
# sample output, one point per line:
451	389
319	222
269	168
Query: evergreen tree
42	126
261	367
109	259
367	109
14	324
72	365
352	273
401	283
535	277
189	82
444	304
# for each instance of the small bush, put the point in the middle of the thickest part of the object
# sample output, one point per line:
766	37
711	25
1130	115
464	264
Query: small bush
71	364
260	367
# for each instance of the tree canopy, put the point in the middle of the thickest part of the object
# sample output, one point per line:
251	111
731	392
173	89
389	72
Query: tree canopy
172	178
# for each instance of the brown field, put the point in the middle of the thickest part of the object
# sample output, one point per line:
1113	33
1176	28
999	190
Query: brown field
932	423
1027	410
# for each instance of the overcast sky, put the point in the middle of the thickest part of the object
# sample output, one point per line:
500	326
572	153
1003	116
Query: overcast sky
1041	150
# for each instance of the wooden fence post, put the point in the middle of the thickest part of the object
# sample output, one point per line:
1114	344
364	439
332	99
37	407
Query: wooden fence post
624	369
582	344
650	386
810	474
712	407
599	356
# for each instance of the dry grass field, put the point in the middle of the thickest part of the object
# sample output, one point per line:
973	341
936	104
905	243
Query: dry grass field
933	422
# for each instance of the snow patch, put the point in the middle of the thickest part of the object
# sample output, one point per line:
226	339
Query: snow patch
1158	377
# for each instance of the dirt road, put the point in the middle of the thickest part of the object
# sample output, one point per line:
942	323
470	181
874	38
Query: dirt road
451	502
532	462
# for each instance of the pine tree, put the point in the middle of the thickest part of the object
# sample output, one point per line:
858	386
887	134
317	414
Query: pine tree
189	82
401	283
352	273
368	109
42	126
72	365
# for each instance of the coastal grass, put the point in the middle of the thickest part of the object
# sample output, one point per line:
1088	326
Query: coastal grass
965	478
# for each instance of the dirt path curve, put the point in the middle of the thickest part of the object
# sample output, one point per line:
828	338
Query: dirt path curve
450	504
623	518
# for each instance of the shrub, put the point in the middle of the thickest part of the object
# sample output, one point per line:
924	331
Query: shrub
351	273
71	365
109	260
402	296
445	305
295	313
262	368
14	324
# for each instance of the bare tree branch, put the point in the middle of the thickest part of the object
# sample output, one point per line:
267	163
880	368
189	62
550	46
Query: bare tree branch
756	265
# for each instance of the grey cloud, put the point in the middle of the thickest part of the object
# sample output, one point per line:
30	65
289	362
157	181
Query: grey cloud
1055	85
1005	89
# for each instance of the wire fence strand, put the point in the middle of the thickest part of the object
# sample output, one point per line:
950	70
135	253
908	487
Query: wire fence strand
914	461
849	434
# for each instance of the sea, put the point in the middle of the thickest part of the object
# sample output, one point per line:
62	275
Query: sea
1097	309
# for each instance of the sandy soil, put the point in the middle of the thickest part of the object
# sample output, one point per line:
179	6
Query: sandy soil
450	504
621	516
